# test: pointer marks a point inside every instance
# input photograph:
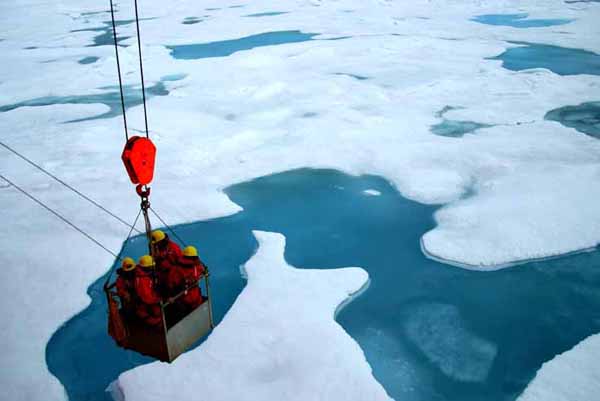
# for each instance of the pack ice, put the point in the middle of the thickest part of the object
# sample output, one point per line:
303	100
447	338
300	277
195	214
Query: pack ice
364	103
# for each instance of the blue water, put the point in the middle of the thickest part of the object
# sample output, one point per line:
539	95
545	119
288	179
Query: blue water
584	117
191	20
228	47
430	331
355	76
88	60
518	20
267	14
454	128
173	77
560	60
87	14
110	97
105	36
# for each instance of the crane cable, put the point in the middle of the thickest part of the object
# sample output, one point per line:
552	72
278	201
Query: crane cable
137	23
54	212
61	217
122	249
172	230
112	14
168	227
83	232
83	196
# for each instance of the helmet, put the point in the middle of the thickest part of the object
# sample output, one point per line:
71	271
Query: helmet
157	236
190	251
128	264
146	261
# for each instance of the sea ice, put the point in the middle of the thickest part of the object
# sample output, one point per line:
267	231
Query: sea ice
570	376
238	117
278	341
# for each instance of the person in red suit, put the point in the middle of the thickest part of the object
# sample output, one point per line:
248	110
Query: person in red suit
125	285
148	305
185	276
166	255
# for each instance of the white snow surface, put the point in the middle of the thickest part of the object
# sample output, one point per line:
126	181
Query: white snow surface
570	376
530	183
279	341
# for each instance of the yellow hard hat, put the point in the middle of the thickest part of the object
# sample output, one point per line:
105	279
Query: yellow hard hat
128	264
190	251
146	261
157	235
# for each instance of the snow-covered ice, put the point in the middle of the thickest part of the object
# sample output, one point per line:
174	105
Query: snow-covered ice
571	376
530	181
279	341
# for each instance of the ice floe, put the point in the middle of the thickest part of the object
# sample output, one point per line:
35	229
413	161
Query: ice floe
570	376
278	341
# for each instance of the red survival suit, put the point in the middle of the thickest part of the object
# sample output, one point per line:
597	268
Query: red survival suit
186	274
148	305
126	289
166	254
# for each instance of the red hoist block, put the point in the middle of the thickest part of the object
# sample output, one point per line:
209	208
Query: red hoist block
138	157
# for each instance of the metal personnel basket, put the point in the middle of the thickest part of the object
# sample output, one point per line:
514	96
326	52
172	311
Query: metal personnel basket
176	333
